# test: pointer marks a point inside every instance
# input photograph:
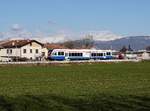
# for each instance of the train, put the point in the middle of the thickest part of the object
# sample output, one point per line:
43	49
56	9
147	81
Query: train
80	54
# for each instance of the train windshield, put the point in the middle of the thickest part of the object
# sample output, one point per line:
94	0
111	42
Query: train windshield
54	53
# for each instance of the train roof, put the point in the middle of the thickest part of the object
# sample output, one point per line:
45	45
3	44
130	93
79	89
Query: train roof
82	50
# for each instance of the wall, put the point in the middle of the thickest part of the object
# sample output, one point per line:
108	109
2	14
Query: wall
32	55
15	52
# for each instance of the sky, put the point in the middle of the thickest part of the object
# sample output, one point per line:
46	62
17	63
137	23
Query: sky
122	17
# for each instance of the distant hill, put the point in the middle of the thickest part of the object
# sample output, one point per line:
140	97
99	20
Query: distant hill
136	43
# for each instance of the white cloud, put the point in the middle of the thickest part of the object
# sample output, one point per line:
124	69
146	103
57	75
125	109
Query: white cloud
97	35
17	32
16	27
103	35
51	39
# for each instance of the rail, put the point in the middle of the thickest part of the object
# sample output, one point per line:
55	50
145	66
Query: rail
63	62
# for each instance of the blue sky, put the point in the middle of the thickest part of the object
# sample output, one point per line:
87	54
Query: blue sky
124	17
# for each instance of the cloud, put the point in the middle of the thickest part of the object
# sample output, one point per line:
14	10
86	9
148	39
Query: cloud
51	39
16	27
18	32
67	35
102	35
50	22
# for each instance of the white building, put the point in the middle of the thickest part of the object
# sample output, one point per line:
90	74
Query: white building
143	54
22	49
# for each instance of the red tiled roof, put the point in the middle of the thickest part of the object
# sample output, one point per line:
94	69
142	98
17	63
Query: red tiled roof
54	46
17	43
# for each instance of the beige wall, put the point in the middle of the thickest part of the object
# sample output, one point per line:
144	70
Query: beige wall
33	47
15	52
19	51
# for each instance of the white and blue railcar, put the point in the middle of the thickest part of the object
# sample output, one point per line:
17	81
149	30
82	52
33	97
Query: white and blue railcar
101	54
70	54
80	54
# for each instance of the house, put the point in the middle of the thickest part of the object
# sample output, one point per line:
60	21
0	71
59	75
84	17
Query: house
22	49
143	54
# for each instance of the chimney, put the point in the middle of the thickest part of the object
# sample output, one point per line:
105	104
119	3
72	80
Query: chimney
28	40
13	43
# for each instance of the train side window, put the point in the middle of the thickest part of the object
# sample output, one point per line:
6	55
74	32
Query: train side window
108	53
93	54
75	54
72	54
101	54
60	53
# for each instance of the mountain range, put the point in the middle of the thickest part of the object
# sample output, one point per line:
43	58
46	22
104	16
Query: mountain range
136	43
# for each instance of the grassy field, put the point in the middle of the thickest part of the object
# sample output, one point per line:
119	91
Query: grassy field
76	87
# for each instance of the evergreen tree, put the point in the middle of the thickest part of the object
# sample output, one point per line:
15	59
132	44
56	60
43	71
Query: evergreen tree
124	49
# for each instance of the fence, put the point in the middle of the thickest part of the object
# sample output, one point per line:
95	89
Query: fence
64	62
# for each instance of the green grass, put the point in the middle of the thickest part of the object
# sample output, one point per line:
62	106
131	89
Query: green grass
76	87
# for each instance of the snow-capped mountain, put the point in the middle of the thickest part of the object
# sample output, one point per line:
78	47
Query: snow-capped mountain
136	42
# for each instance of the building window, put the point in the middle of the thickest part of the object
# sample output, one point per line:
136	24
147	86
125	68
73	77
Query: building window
10	51
36	51
37	58
7	51
24	51
43	53
30	50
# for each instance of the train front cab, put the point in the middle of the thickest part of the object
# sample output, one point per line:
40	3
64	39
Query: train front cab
58	56
109	55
